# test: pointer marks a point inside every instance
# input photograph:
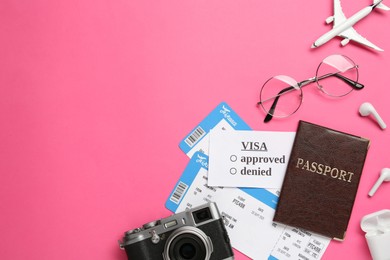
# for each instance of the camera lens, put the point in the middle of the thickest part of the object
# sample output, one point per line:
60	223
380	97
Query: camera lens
188	243
187	247
187	251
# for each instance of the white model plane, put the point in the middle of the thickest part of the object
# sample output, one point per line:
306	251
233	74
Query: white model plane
342	26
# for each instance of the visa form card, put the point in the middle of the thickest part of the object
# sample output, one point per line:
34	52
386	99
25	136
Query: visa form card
222	117
255	159
248	214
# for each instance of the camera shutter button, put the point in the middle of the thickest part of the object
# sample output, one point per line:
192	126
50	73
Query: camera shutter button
151	224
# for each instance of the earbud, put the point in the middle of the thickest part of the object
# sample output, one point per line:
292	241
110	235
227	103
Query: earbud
384	176
366	109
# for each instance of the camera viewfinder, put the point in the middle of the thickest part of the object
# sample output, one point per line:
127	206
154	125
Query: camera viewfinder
202	215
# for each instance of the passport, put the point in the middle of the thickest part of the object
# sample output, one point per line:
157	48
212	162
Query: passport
321	180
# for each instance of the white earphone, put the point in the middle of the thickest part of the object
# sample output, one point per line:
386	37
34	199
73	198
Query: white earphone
367	109
384	176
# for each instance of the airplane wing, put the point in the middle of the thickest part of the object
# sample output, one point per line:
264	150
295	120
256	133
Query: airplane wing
338	15
353	35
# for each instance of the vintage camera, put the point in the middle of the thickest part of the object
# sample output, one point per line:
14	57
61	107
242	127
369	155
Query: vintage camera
196	234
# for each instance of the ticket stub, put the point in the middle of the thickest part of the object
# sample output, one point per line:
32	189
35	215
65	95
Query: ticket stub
248	214
222	117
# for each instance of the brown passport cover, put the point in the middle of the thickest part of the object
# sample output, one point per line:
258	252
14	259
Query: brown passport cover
321	180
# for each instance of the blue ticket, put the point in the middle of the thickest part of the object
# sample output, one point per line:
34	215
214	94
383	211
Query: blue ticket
199	164
248	214
223	117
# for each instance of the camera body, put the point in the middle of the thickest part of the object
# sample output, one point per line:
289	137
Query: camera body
196	234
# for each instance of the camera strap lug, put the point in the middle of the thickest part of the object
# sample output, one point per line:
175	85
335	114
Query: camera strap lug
155	238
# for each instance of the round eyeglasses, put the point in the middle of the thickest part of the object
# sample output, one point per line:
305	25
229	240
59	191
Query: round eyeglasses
336	76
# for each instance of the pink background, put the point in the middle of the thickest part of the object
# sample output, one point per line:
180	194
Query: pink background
96	95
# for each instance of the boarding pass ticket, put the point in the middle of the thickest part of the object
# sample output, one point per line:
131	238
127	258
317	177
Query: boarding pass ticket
222	117
248	214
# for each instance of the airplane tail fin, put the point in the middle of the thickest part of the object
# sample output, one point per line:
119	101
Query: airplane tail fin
379	5
383	7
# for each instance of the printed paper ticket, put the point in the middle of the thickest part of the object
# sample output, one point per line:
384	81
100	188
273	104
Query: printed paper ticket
222	117
248	214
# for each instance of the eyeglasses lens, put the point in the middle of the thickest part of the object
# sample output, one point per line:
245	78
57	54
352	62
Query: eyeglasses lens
334	73
280	96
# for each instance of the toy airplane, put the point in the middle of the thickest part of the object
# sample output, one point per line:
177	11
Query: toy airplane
343	27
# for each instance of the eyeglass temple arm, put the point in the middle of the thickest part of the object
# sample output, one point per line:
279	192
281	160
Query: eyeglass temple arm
269	115
354	84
